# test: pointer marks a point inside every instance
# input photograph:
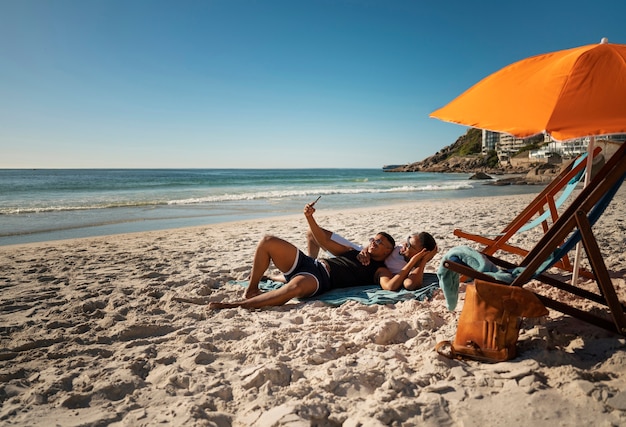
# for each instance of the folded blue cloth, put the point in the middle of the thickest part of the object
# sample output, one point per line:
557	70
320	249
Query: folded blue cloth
449	280
368	295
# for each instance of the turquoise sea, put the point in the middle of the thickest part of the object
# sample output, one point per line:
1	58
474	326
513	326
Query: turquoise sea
49	204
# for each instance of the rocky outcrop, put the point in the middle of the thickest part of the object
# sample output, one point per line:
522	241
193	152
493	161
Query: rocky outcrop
541	173
457	164
544	173
480	175
463	157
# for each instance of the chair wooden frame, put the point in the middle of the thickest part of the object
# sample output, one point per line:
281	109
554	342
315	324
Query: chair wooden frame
544	200
575	218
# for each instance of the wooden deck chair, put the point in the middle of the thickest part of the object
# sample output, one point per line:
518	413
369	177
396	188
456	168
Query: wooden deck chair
573	225
543	210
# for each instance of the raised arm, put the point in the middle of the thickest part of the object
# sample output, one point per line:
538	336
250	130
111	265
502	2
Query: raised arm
415	279
321	235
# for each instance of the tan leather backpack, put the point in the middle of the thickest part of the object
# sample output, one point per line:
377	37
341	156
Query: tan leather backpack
489	324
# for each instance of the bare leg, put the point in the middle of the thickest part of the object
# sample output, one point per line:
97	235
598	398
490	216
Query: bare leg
313	246
299	286
270	249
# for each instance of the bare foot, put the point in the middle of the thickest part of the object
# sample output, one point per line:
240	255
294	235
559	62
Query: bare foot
219	305
251	293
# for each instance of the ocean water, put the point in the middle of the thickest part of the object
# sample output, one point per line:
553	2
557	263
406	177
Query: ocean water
49	204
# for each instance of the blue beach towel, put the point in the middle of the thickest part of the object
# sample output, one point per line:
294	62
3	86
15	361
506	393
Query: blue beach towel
449	279
367	295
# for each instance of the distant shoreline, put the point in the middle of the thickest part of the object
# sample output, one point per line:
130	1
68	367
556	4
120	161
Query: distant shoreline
41	206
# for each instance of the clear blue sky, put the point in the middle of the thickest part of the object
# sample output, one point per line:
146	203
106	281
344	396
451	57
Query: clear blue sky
270	84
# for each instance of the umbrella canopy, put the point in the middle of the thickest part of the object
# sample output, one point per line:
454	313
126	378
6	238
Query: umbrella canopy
569	94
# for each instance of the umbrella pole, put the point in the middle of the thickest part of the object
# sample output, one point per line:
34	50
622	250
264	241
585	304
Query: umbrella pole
592	143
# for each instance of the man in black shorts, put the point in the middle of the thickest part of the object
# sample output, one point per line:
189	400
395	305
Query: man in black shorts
307	277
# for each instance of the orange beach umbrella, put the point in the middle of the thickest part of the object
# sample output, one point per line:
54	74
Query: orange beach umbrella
569	94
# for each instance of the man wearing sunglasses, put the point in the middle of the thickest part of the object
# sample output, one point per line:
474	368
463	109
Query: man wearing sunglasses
422	245
307	277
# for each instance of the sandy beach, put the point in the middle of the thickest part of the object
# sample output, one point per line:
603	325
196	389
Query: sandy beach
114	331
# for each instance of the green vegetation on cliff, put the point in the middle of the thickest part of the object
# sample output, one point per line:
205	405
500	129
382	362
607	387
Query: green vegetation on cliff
470	143
466	155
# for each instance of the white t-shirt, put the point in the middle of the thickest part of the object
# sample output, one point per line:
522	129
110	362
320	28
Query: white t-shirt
394	262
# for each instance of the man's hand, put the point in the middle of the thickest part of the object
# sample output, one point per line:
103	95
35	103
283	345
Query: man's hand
424	255
418	256
431	254
363	257
309	210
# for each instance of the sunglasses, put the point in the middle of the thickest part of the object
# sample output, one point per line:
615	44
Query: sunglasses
379	242
408	242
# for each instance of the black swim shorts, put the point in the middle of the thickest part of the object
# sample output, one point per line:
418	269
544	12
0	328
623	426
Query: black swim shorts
305	265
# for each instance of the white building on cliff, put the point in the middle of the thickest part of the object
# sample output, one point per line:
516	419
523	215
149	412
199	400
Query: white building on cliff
507	146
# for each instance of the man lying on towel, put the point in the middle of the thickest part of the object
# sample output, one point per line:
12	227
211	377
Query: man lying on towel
307	277
395	262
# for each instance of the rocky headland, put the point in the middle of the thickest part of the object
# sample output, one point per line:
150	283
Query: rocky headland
464	156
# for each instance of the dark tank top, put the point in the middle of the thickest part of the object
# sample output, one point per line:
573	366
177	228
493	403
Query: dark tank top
346	271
